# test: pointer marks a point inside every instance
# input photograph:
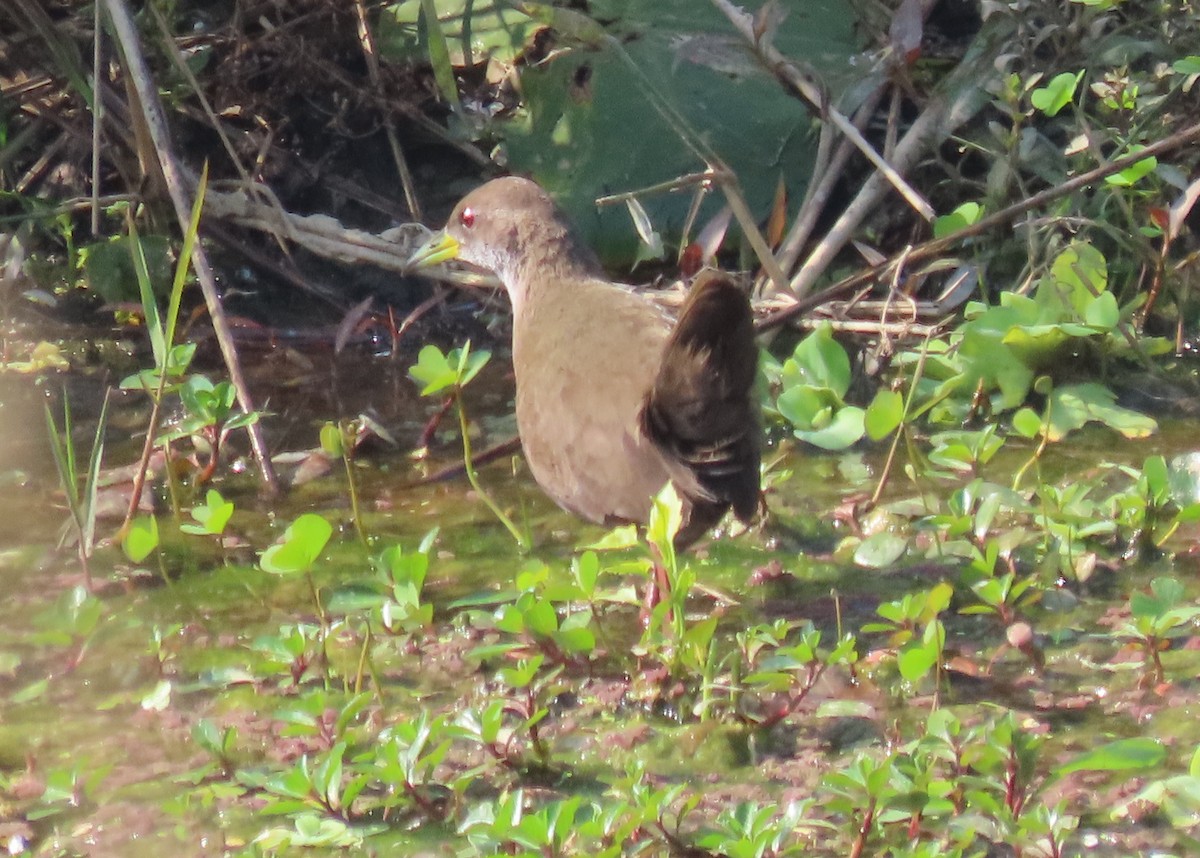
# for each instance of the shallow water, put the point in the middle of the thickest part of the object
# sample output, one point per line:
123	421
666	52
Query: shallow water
108	690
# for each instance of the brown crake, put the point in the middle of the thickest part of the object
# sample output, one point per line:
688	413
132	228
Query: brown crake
614	397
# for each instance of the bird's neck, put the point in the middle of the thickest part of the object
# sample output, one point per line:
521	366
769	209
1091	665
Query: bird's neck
548	268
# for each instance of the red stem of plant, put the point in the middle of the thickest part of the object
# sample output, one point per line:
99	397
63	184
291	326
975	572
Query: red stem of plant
861	843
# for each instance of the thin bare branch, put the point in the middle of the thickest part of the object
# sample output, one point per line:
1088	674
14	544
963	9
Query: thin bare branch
389	124
181	194
938	246
808	89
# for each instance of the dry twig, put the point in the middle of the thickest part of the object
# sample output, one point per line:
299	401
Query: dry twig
181	198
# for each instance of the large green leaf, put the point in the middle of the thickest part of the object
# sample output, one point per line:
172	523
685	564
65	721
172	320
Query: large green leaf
473	32
588	124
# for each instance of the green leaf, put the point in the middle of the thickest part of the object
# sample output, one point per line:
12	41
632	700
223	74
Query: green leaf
331	440
916	660
439	55
469	363
32	691
300	547
541	618
1074	405
510	619
986	357
1056	94
806	407
190	236
212	517
963	216
158	699
884	414
1080	272
1134	173
433	370
440	372
666	516
180	358
1119	756
154	325
200	399
1102	312
1187	514
1165	593
1158	478
880	550
1188	65
473	34
586	570
624	104
624	536
490	652
820	361
141	538
577	640
846	428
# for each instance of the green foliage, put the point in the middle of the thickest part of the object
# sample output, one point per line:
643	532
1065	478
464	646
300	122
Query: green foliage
207	406
943	784
208	409
220	744
450	373
211	517
447	372
300	546
999	590
73	618
1155	618
471	34
290	651
66	789
812	385
1056	94
749	829
1150	508
81	500
880	550
1176	797
339	440
404	575
1003	348
536	620
141	538
781	664
506	730
112	273
963	216
685	96
914	627
1119	756
312	830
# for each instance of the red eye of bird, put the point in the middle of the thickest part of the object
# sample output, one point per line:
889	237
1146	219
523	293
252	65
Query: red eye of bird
468	218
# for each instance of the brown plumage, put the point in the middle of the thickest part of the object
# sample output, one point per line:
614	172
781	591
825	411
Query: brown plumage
613	397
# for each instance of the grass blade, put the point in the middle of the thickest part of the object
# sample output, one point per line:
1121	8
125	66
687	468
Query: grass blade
92	485
185	258
149	303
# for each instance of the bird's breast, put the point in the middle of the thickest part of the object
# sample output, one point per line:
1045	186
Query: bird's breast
584	363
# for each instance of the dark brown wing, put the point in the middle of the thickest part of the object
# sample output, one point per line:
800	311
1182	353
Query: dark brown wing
702	413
